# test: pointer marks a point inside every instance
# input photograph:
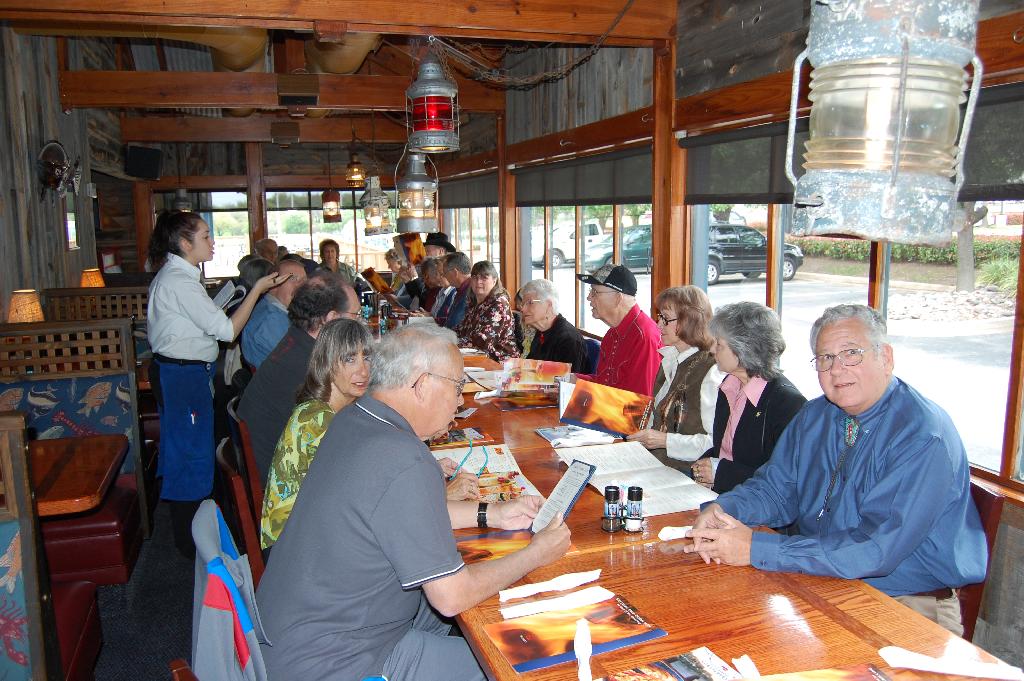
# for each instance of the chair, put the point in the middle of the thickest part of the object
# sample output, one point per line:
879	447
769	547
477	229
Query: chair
247	468
990	508
180	671
239	512
593	354
227	630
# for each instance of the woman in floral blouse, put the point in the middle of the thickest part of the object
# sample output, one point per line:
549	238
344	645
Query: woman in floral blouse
488	324
338	374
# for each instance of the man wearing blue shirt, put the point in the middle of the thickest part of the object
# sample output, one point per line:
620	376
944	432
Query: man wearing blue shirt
269	321
873	478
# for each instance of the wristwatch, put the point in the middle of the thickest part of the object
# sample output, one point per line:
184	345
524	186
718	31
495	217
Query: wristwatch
481	514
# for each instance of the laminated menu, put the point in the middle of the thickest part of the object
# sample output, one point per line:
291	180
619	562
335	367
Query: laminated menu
666	490
497	471
376	281
460	437
610	410
532	374
697	665
546	639
411	246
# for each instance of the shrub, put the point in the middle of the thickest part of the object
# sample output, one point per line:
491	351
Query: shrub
986	249
1000	273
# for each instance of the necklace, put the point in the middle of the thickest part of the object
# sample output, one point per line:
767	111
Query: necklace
851	429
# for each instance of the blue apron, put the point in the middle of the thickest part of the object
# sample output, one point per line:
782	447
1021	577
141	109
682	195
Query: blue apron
186	429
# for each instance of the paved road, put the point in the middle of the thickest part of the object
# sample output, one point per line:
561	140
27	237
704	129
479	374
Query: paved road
963	366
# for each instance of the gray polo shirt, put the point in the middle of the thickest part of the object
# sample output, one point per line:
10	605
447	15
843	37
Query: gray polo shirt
369	527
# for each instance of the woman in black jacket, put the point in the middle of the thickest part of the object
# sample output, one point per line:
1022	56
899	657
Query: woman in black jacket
755	401
556	339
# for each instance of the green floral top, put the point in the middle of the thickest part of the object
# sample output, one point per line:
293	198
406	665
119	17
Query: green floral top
292	457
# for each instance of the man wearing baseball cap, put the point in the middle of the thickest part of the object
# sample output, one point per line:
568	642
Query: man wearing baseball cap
629	351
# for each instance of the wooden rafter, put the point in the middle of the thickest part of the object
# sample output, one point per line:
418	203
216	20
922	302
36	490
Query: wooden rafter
257	129
546	20
169	90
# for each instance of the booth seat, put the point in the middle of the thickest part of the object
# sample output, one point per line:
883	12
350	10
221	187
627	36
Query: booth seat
78	628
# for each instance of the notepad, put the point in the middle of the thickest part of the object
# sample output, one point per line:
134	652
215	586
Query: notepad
565	494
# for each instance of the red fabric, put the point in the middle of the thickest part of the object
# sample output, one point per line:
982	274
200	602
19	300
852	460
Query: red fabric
219	598
629	354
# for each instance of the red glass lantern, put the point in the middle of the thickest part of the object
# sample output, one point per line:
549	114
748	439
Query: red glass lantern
432	109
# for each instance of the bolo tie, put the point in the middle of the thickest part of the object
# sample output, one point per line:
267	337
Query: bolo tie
851	429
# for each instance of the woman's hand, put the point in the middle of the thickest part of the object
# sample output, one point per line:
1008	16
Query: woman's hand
270	281
704	472
465	486
652	439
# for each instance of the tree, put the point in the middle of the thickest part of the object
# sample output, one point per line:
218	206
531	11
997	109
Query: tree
721	211
974	212
296	223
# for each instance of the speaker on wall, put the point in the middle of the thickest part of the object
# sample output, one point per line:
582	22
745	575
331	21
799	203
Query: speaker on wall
142	162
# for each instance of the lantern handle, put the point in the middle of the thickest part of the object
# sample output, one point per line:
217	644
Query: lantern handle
405	148
794	98
979	71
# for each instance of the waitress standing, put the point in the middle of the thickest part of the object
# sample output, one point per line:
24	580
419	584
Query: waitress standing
184	327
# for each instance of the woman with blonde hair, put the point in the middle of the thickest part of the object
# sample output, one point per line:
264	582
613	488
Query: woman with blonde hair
686	387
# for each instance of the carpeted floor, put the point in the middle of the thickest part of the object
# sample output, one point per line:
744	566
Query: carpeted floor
148	622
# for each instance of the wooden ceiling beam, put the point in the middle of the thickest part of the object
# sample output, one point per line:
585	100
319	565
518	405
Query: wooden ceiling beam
766	99
257	129
611	133
163	90
538	20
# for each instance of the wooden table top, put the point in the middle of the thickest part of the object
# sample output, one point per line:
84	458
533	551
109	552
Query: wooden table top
71	475
785	622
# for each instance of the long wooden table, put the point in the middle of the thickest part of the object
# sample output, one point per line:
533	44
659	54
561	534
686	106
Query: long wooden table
786	622
72	474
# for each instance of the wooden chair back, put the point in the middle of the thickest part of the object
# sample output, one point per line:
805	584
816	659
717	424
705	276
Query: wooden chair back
180	671
82	304
990	508
247	460
239	508
36	357
26	599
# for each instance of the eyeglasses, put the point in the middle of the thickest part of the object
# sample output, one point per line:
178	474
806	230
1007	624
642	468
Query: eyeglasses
594	292
662	319
850	357
459	384
530	302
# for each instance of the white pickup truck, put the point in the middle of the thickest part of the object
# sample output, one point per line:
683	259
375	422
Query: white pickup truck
562	243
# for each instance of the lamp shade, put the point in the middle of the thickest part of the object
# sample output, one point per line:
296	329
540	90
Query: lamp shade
92	277
25	307
417	197
331	200
885	154
432	109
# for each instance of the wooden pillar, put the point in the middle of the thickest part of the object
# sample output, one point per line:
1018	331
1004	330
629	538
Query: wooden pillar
1015	397
256	192
142	200
773	283
508	228
667	238
878	276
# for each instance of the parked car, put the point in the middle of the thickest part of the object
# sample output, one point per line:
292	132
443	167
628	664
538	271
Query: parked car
563	244
732	249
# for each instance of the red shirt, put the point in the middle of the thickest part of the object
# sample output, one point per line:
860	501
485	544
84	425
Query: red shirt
629	354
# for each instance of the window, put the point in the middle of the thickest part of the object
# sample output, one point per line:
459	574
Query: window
70	221
227	214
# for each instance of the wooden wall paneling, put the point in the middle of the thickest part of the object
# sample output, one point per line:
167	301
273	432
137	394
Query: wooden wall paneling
106	147
257	192
510	19
666	241
615	81
117	220
143	208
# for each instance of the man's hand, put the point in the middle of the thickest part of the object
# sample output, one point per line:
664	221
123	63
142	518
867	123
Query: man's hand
719	537
464	486
703	472
517	514
652	439
552	542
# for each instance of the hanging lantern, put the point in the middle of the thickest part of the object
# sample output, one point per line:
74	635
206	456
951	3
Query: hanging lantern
417	197
181	202
376	208
883	161
331	198
432	109
355	175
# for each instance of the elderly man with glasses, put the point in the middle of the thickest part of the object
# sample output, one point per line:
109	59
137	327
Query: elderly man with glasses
872	479
368	555
629	350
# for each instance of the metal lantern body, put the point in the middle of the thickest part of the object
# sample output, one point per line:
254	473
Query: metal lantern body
432	109
417	197
181	200
883	161
331	200
376	208
355	174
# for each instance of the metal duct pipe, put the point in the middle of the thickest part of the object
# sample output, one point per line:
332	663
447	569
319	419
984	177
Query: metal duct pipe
341	57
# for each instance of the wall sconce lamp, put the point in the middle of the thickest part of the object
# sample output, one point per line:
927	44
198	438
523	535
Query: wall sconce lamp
24	307
884	161
91	278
